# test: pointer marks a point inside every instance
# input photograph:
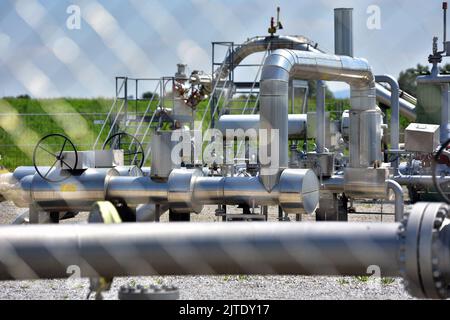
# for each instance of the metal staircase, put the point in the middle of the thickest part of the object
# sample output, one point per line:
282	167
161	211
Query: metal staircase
138	122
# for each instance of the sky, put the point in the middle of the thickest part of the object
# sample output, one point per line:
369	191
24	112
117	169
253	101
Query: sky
44	56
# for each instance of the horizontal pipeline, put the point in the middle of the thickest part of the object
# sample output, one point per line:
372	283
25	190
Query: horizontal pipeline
132	249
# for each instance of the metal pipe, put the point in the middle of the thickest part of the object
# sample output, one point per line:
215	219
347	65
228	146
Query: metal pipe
395	113
260	44
188	191
297	124
233	190
444	9
128	249
406	103
297	191
75	193
343	31
423	180
398	192
333	184
284	64
148	212
445	113
320	116
417	249
136	190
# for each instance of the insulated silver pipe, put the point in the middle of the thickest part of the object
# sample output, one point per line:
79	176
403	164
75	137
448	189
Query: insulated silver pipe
136	190
398	193
233	190
297	192
395	113
132	249
417	249
421	180
75	193
262	44
297	124
343	31
284	64
320	116
406	105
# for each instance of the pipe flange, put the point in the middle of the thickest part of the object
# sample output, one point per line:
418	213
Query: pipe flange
419	250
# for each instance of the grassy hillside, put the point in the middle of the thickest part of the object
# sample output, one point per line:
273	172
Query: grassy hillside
24	121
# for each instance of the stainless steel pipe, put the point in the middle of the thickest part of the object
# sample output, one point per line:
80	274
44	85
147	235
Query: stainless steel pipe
297	124
187	191
343	31
421	180
417	249
395	113
406	106
261	44
76	193
320	116
46	251
136	190
398	193
284	64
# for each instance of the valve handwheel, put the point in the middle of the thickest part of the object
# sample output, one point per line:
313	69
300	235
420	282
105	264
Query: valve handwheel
52	149
133	151
439	158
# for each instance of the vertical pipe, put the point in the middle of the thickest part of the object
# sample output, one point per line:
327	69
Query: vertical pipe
273	118
395	112
444	128
398	192
444	8
157	212
343	31
292	96
125	92
280	214
320	116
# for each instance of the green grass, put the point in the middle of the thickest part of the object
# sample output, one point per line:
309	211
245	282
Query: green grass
72	117
343	281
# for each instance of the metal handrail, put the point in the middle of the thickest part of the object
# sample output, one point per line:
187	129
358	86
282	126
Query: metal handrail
145	112
113	124
145	134
214	90
109	114
104	124
257	98
256	77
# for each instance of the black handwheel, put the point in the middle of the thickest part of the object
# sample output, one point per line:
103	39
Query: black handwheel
133	152
50	149
434	163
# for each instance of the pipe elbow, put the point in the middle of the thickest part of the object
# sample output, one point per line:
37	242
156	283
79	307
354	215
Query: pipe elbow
278	66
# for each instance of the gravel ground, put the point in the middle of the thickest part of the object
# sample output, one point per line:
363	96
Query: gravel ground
219	287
